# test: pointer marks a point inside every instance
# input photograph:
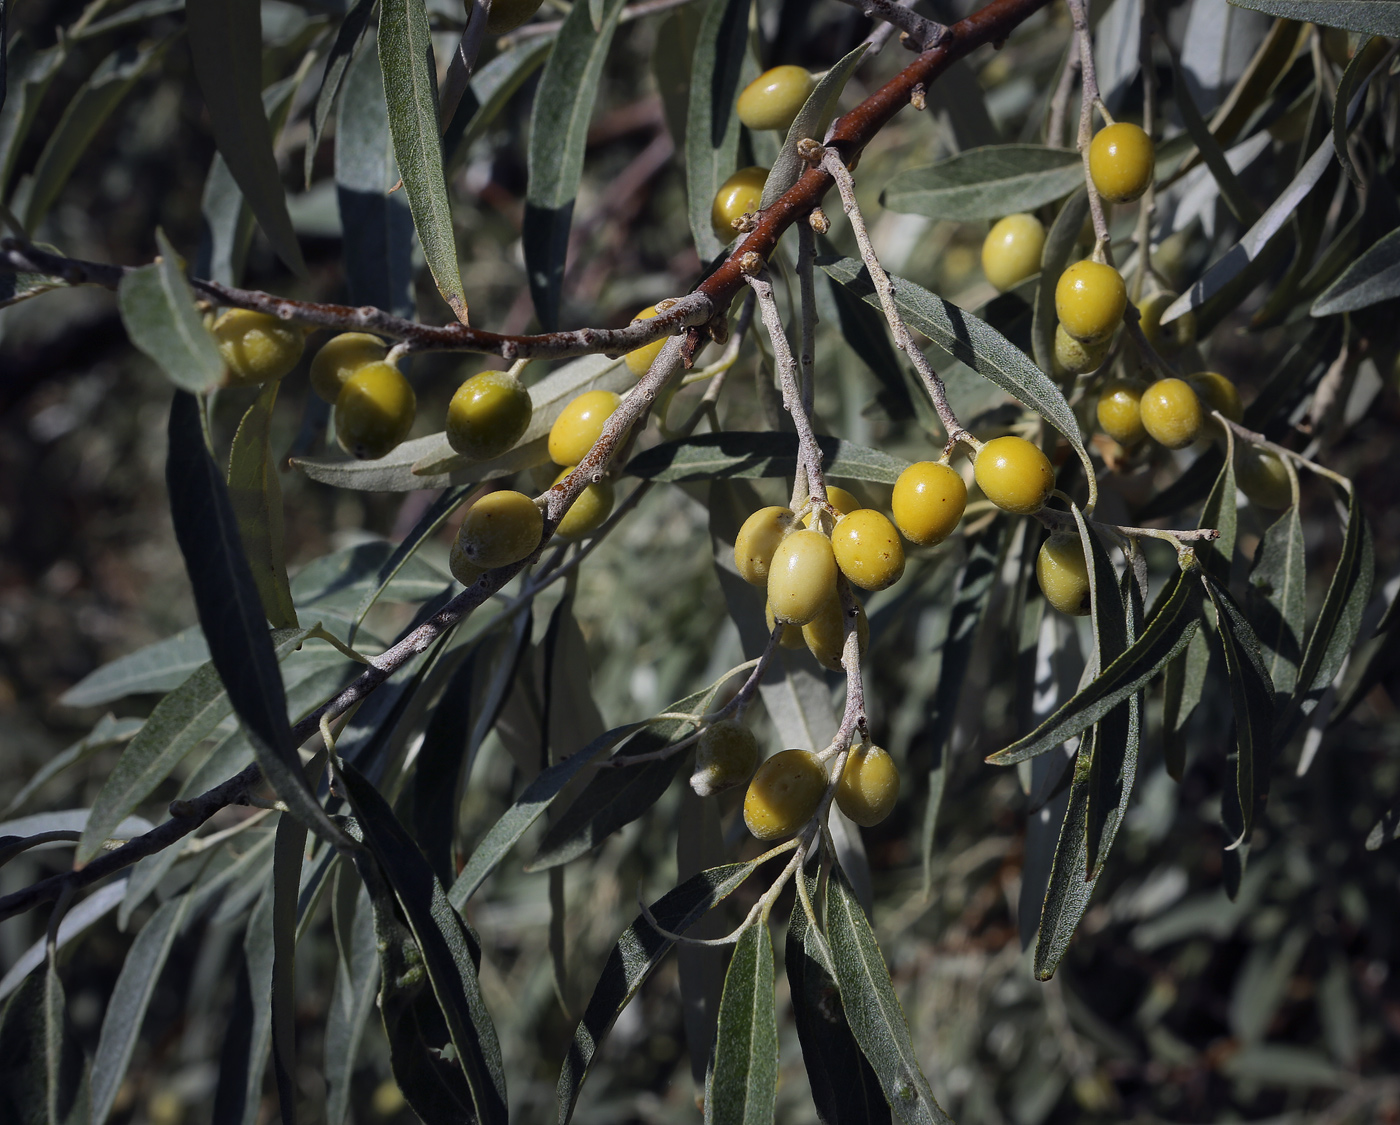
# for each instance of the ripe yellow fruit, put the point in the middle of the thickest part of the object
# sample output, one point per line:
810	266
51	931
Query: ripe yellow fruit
256	347
825	634
1089	300
772	100
1217	393
639	360
1170	338
737	196
801	577
868	550
784	794
1063	573
792	634
1120	412
1262	477
725	756
340	357
869	785
928	502
507	15
1014	474
500	529
579	426
1171	413
843	501
1075	357
1121	161
374	411
758	538
587	513
1011	251
489	413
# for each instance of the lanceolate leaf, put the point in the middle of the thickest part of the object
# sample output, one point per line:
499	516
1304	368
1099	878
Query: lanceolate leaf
157	306
558	136
633	959
226	45
986	183
352	1000
28	78
42	1081
1219	513
410	89
1275	600
243	1059
1167	634
873	1010
288	850
159	667
811	121
1370	279
256	496
1182	684
1231	190
491	88
347	40
738	453
1358	72
864	329
712	126
1372	17
743	1081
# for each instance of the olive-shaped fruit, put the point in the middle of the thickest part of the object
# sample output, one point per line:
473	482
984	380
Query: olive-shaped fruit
488	414
500	529
1217	393
1075	357
256	347
1014	474
1121	161
726	755
374	411
868	550
737	196
801	577
843	501
580	425
869	785
1011	251
639	360
1119	412
463	569
825	634
1063	573
1168	339
758	538
928	502
1262	477
340	357
784	794
1090	298
791	636
507	15
1171	413
773	99
587	513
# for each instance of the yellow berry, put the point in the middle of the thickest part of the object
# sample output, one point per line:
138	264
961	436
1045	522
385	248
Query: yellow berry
507	15
587	513
1089	300
772	100
825	634
488	415
737	196
1120	413
463	569
1011	250
500	529
725	756
1217	393
1171	413
1014	474
801	577
1262	477
843	501
758	538
1075	357
340	357
869	786
1170	338
639	360
868	550
792	634
579	426
784	794
1063	574
256	347
1121	160
928	502
374	411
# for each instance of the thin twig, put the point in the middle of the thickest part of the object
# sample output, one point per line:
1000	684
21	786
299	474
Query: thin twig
882	33
1059	103
1079	11
923	34
1256	438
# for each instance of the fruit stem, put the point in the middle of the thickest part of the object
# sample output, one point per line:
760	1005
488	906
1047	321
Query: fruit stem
1260	440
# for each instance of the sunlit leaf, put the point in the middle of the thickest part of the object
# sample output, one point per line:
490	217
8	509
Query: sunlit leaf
1372	17
737	453
743	1082
712	125
256	496
1371	278
811	121
158	311
986	183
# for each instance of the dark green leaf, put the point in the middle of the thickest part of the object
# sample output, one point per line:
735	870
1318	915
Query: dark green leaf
1275	600
1187	489
226	46
873	1010
288	850
740	453
30	73
243	1059
160	317
742	1088
986	183
712	125
1370	279
1236	198
347	41
135	13
491	88
558	137
256	496
1220	513
633	959
42	1076
1372	17
352	999
864	329
1060	243
811	121
1183	681
1354	79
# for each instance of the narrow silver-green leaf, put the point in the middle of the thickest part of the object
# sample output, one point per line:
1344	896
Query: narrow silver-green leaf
42	1076
1220	513
1182	683
1275	599
1370	279
1371	17
986	183
347	41
352	998
158	311
256	495
159	667
742	1086
712	125
1231	190
492	86
289	848
29	75
811	121
1358	71
740	453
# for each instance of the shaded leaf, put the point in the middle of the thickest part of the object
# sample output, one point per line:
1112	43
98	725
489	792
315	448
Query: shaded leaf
986	183
1236	198
347	41
28	78
739	453
712	125
256	496
1275	599
109	731
248	1039
742	1086
1182	683
353	996
1220	513
864	330
91	909
288	850
1356	75
1373	17
811	121
42	1076
158	667
491	88
159	314
671	60
1368	280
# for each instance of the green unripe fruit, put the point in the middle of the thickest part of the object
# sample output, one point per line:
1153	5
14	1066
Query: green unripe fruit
825	634
928	502
507	15
1217	393
1063	574
869	786
791	636
1011	251
1263	477
868	550
340	357
784	794
1014	474
737	196
500	529
843	501
758	538
256	347
587	513
1075	357
639	360
1120	412
801	577
1171	413
580	425
1170	338
374	411
463	569
1121	161
489	413
773	99
726	755
1089	300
